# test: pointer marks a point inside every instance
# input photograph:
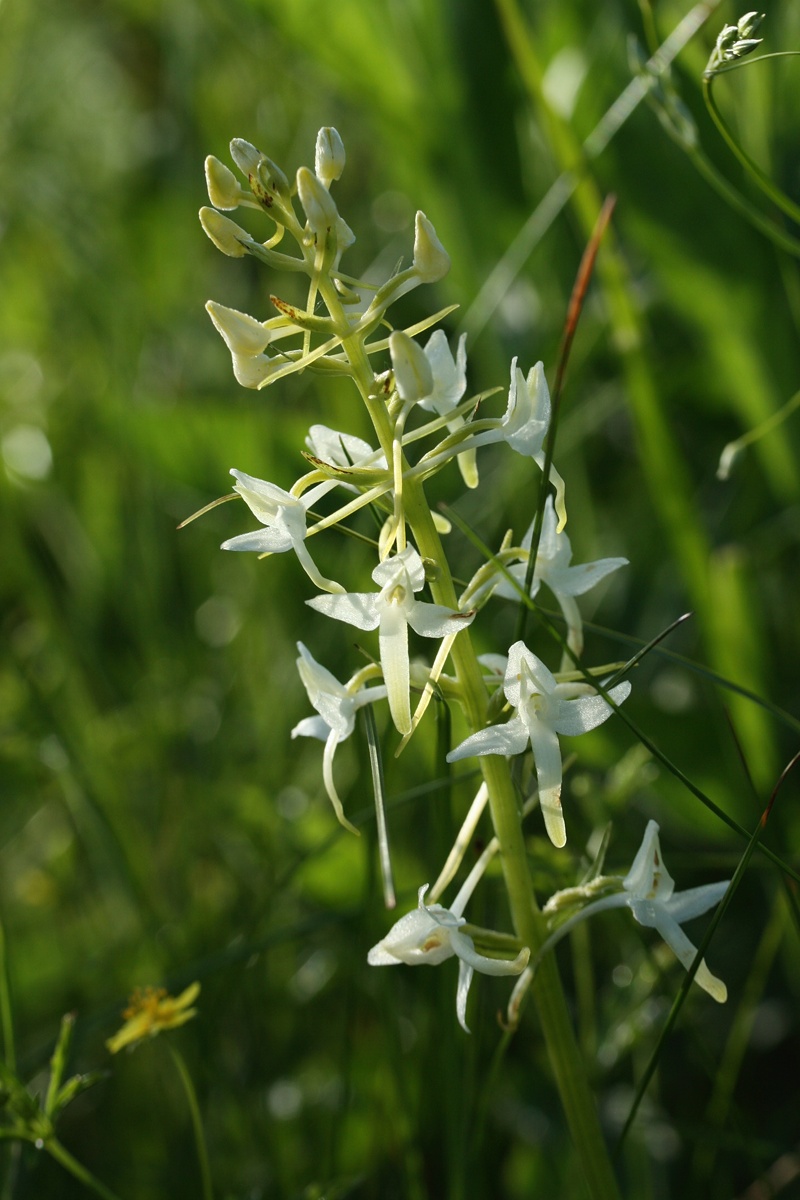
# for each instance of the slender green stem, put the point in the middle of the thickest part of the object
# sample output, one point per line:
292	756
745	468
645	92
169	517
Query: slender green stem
77	1169
197	1124
762	179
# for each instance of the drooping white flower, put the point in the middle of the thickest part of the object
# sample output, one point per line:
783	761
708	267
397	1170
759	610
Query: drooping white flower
430	934
543	710
284	519
337	704
648	890
391	611
553	567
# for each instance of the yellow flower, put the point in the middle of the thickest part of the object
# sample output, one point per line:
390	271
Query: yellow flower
149	1011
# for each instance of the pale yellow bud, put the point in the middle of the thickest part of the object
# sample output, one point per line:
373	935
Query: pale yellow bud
317	202
226	235
329	158
223	187
431	260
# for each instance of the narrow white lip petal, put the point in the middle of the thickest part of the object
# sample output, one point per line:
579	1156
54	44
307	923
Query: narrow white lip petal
550	804
330	787
394	662
312	571
547	757
686	952
465	972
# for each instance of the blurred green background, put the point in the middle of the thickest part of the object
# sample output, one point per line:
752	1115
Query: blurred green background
157	824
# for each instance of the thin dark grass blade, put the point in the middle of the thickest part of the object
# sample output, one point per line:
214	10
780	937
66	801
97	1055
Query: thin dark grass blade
574	310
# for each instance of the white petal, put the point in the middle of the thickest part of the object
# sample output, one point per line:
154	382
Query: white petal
574	581
436	620
405	569
684	906
356	608
523	669
262	541
511	738
312	727
648	878
579	716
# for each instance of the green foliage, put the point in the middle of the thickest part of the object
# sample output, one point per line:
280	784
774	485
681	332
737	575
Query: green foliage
158	824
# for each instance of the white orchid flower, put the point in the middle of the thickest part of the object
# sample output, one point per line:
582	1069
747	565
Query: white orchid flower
392	610
337	704
649	892
553	567
429	935
449	385
544	709
284	519
524	426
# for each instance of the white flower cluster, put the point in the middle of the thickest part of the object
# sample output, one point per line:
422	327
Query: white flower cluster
420	399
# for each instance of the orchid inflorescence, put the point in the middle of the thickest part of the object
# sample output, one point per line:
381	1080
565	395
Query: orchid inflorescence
422	424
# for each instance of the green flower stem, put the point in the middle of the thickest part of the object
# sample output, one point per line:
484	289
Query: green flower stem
565	1057
77	1169
197	1124
762	179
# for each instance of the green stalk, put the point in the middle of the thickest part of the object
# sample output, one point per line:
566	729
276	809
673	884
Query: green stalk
197	1123
565	1057
763	180
77	1169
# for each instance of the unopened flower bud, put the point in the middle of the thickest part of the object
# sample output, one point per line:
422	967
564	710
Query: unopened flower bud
412	371
329	158
241	333
266	179
431	260
245	155
749	23
226	235
317	203
223	187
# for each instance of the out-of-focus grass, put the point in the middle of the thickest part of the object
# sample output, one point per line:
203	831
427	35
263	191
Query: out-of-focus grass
157	822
